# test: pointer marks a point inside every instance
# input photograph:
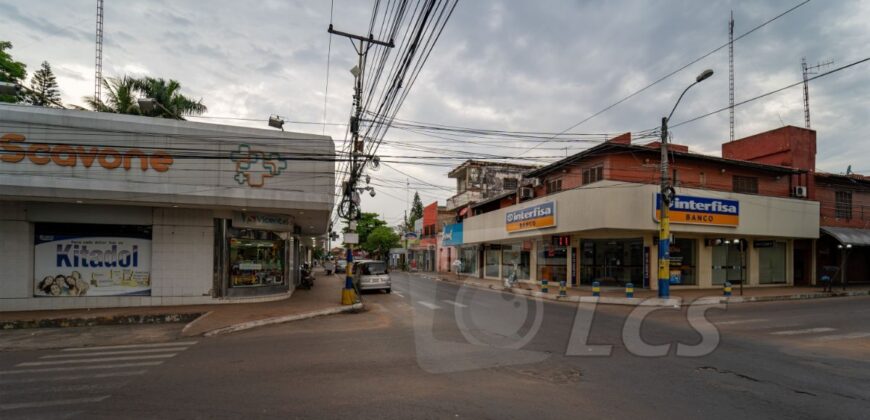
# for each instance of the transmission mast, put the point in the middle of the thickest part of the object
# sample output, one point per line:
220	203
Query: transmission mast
98	65
807	71
731	73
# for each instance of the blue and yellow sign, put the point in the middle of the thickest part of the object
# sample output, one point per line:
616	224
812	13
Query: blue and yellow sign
700	210
536	217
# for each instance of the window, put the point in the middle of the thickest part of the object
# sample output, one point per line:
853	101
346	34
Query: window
771	263
468	257
844	204
510	184
554	185
591	175
745	184
552	262
514	259
683	259
491	261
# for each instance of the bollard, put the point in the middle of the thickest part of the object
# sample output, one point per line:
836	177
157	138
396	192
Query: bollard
726	288
596	289
563	289
629	290
544	288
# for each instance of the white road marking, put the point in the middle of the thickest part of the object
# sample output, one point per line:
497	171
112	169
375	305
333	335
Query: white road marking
65	369
96	360
398	294
836	337
74	377
52	403
133	346
805	331
454	303
742	321
113	353
429	305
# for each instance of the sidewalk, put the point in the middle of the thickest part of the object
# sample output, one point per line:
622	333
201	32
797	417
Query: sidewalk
616	295
323	299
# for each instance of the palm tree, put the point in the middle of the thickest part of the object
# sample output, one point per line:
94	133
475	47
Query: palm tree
167	94
120	97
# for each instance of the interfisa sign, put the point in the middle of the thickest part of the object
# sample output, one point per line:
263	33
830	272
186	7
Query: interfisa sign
535	217
700	210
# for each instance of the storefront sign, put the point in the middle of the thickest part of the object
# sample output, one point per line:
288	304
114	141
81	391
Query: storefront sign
700	210
763	244
16	150
81	265
250	220
452	235
351	238
535	217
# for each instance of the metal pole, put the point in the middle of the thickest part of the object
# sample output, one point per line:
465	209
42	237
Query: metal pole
664	219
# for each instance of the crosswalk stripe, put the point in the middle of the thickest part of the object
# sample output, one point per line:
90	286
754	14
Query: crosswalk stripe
429	305
71	368
77	388
52	403
454	303
741	321
848	336
73	377
133	346
113	353
97	360
805	331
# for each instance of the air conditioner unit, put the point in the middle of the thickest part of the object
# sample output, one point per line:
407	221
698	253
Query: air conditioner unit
527	193
799	192
536	182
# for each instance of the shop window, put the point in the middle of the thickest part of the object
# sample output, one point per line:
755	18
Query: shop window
771	263
468	257
745	184
510	184
552	263
843	204
491	262
514	259
612	261
256	262
591	175
683	261
554	185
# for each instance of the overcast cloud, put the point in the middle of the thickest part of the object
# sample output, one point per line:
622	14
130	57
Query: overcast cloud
511	65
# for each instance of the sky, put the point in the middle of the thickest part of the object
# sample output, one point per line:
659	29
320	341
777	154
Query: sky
513	65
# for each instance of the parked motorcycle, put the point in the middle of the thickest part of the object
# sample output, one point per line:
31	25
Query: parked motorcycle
306	277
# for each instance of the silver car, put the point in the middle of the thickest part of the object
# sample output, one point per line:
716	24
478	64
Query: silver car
372	275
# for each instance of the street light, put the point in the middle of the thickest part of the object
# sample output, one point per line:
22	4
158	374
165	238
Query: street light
7	88
667	194
149	104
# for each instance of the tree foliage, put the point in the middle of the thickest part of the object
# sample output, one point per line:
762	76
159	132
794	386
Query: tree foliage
11	71
380	240
367	223
416	212
44	90
123	94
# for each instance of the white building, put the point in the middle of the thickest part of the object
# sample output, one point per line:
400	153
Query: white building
104	210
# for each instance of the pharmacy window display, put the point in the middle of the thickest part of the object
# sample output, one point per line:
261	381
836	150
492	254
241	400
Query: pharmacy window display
256	262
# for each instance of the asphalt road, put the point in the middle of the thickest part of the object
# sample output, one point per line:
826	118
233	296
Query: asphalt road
437	350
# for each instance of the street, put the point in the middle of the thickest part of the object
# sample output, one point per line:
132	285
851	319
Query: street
436	350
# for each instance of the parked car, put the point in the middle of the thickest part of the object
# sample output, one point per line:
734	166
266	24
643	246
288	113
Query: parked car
372	275
341	266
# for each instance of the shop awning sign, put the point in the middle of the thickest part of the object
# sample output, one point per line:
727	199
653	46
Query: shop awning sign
688	209
265	221
452	235
538	216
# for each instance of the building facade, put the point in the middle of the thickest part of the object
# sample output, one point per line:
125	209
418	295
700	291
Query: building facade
104	210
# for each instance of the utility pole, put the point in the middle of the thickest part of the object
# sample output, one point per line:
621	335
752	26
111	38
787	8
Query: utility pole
807	71
351	199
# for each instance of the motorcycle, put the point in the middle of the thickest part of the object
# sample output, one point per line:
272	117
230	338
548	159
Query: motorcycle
306	277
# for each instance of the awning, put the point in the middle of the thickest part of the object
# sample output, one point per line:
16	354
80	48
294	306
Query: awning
854	236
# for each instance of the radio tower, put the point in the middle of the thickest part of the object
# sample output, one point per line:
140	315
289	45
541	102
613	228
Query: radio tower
98	65
807	71
731	73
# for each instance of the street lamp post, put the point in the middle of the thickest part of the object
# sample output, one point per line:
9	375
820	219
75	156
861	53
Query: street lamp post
666	195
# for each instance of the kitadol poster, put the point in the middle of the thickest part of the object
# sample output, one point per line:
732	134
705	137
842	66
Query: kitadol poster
84	265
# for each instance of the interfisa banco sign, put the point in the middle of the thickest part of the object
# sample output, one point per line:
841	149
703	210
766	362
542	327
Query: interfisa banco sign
535	217
700	210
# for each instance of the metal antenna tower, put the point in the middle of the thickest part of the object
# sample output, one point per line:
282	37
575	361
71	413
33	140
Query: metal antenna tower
98	65
731	73
807	71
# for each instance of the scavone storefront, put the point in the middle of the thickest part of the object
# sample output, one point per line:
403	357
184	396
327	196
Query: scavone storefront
608	232
101	210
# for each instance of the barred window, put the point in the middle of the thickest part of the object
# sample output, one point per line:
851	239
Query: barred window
510	184
844	204
591	175
745	184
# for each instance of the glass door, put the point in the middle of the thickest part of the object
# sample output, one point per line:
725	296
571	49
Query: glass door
728	263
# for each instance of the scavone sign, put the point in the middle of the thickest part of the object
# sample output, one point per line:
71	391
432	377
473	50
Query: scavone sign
15	149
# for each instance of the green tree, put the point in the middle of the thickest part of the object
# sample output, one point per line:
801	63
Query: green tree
11	71
43	88
167	94
367	223
416	212
120	97
380	240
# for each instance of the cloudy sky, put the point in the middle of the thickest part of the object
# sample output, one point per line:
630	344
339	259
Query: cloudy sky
508	65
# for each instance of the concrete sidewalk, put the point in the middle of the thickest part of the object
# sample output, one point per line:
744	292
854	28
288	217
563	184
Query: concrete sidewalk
616	295
323	299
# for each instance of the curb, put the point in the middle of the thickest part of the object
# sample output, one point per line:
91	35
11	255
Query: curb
671	302
101	320
282	319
